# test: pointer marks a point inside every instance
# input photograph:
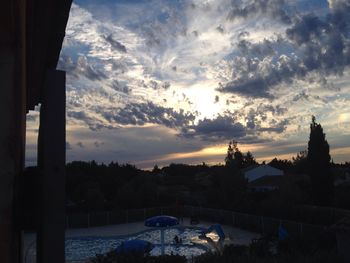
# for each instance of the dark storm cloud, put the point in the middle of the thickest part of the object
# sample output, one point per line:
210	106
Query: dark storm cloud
257	115
256	87
80	67
305	96
88	70
121	87
320	45
115	44
263	49
325	44
226	127
141	114
222	127
260	68
263	109
155	85
273	8
92	122
278	127
133	114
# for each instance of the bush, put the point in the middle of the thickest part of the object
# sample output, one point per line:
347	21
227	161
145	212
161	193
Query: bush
289	252
113	257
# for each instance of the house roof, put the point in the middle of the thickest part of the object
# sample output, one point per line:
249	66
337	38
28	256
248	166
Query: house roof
268	180
244	170
264	166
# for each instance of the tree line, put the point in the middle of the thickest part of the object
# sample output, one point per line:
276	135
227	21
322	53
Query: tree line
92	186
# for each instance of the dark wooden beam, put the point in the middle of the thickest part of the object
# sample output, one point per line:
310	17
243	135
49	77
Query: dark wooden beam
46	24
51	162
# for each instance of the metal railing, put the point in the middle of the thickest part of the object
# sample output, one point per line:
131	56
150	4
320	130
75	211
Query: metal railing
254	223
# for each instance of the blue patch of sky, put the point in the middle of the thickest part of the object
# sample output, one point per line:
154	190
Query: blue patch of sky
312	6
120	11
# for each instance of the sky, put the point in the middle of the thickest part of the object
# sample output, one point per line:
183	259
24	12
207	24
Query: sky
173	81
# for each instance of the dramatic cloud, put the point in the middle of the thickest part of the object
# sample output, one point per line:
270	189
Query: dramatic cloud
195	74
222	127
115	44
134	114
81	67
314	44
273	8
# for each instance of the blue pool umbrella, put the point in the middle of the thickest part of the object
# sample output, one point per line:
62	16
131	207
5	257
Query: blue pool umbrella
162	222
135	245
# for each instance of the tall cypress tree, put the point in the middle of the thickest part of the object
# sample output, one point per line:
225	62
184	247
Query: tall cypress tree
319	165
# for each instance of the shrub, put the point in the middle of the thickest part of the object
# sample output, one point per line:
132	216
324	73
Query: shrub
113	257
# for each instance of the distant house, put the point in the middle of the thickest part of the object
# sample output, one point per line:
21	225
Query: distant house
266	183
263	178
256	172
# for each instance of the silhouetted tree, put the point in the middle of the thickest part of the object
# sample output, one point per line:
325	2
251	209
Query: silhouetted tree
249	159
229	157
319	165
300	162
234	157
156	169
281	164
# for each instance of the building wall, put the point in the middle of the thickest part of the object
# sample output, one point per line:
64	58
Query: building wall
12	132
261	171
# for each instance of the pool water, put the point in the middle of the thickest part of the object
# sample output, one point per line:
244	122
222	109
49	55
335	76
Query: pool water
81	248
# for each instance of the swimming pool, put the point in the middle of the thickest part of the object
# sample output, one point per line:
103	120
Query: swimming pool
82	248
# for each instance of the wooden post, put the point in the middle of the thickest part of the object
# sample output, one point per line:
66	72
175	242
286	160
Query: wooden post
51	162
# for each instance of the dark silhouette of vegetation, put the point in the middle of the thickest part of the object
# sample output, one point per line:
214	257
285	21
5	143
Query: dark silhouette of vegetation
284	165
301	250
319	162
92	186
113	257
235	159
300	162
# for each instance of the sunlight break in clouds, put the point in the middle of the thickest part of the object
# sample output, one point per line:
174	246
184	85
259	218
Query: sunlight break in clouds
200	73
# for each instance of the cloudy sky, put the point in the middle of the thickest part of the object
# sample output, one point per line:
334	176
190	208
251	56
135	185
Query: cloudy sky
160	81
